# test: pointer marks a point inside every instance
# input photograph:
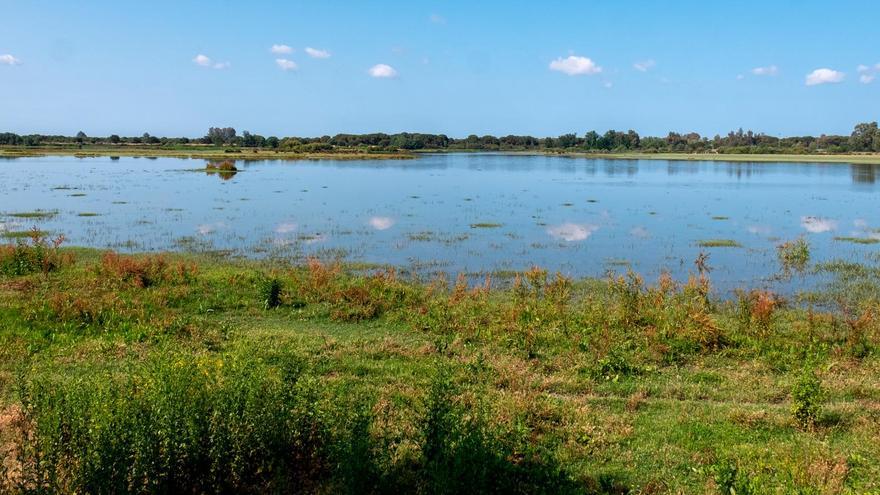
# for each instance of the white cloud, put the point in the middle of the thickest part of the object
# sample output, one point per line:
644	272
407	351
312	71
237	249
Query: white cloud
575	66
437	19
740	77
383	71
571	232
640	232
823	76
8	59
868	74
381	223
770	70
281	50
818	225
316	53
202	60
608	84
205	61
644	66
285	64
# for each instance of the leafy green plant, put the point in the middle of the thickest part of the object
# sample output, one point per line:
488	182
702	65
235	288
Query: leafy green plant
794	254
807	397
270	292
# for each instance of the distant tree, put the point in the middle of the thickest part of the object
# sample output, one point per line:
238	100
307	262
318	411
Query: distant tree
566	141
80	137
220	135
864	137
115	139
272	142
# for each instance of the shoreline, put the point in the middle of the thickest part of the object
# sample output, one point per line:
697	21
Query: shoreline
20	152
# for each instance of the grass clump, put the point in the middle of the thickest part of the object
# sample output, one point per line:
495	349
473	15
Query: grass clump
807	396
858	240
486	225
794	254
35	253
270	292
35	215
719	243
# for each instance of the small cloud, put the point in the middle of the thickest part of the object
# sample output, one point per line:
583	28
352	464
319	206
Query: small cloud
644	66
285	64
824	76
316	53
575	66
867	74
571	232
383	71
205	61
381	223
202	60
285	228
281	50
608	84
437	19
209	228
740	77
8	59
818	225
770	70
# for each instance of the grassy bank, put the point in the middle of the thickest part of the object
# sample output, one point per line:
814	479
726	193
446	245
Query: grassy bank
201	152
168	374
868	159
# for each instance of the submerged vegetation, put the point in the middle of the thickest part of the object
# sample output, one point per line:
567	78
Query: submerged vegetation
170	374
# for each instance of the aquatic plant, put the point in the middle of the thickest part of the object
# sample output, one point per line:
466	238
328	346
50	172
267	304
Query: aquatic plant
34	253
794	254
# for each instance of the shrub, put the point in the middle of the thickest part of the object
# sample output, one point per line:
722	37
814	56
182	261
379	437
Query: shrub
807	396
36	253
143	271
270	292
178	425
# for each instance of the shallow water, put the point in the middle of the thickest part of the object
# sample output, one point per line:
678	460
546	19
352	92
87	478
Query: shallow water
461	212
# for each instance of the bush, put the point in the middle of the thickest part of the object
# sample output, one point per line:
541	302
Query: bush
144	271
807	396
270	292
794	254
178	425
33	254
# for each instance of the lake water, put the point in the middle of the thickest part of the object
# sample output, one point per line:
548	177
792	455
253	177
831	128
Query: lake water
459	213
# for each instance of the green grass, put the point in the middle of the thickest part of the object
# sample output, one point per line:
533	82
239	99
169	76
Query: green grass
88	214
713	243
858	240
180	373
35	215
21	234
486	225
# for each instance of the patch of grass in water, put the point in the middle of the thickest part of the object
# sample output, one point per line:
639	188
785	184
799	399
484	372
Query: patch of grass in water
88	214
486	225
36	214
720	217
77	195
22	234
858	240
713	243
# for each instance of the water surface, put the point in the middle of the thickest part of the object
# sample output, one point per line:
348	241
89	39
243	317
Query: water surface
471	213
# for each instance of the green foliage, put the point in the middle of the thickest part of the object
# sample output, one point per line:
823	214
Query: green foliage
32	254
270	292
807	396
794	254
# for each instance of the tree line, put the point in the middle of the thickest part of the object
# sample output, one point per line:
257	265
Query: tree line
864	138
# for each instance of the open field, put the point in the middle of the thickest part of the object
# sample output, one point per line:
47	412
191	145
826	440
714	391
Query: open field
172	373
201	152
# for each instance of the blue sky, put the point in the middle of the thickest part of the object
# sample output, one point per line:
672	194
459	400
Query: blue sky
455	67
